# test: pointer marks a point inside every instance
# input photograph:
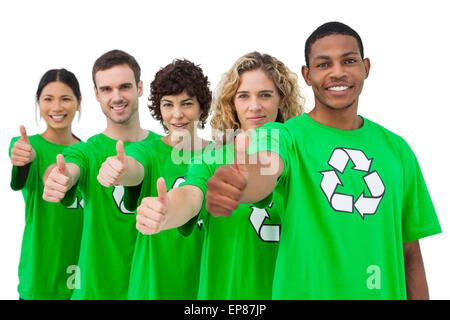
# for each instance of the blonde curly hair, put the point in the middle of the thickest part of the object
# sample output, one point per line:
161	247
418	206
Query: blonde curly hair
292	102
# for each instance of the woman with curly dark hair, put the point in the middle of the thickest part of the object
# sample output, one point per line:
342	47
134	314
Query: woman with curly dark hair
167	265
239	251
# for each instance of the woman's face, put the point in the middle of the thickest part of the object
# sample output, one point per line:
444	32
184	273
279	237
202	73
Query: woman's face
180	112
58	105
256	100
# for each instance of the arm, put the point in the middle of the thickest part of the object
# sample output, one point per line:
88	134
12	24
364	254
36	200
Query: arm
262	176
120	170
59	178
170	209
249	179
416	283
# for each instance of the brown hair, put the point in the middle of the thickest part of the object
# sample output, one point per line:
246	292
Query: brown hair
173	79
116	58
292	101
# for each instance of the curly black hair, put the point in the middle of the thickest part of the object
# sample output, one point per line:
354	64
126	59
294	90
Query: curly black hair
173	79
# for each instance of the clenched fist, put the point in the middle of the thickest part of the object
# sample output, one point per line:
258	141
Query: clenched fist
113	167
152	213
22	152
57	183
225	188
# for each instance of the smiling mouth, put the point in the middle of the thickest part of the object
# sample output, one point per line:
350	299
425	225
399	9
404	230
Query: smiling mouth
58	117
179	125
119	107
339	88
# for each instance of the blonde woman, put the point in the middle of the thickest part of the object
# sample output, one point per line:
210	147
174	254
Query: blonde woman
239	252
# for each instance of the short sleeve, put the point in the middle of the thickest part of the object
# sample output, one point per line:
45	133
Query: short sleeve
77	154
198	174
272	137
143	155
419	217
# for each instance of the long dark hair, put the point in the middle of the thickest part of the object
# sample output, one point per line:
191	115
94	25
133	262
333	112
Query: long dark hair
60	75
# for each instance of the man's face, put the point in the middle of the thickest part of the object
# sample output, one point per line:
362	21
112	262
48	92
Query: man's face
117	93
336	71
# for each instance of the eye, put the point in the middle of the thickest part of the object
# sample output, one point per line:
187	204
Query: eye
126	86
322	65
187	104
349	61
167	105
47	99
67	99
266	95
242	96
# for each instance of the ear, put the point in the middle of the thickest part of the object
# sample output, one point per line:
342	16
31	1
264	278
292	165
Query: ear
96	93
79	104
366	62
306	74
140	88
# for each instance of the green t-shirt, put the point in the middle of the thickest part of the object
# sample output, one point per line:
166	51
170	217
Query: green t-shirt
52	235
239	251
109	230
166	265
353	198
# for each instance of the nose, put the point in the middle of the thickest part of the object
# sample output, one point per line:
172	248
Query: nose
254	104
177	112
56	105
116	97
337	71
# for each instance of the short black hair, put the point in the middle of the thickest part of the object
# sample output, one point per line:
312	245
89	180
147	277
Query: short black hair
331	28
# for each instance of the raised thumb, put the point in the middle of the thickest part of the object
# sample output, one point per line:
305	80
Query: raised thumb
60	163
241	145
162	190
120	151
23	134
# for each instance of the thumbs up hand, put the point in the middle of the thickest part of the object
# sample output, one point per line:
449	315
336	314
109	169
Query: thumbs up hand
152	213
113	167
57	183
22	152
226	187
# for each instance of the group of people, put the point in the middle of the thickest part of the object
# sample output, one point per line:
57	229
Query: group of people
282	204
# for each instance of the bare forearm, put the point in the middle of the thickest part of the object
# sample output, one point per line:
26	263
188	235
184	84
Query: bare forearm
184	204
262	176
416	283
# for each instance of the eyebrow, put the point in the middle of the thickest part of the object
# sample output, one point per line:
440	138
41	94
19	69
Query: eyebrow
244	91
342	56
50	95
168	100
120	85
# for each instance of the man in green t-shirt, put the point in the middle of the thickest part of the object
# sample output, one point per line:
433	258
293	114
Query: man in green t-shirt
355	198
109	232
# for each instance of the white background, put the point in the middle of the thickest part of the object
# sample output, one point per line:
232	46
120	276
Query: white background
407	90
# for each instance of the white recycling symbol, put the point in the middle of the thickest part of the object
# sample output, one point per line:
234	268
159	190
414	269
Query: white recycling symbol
343	202
266	232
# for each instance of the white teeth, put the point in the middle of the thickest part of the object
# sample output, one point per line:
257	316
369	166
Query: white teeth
119	108
340	88
179	125
58	117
